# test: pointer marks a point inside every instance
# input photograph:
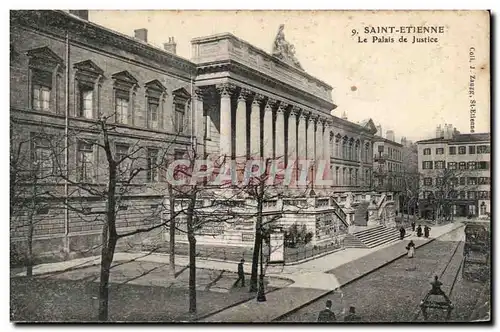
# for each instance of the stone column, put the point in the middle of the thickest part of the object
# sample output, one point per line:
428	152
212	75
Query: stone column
255	126
319	139
268	128
241	126
301	136
199	125
225	147
310	138
326	141
292	134
280	131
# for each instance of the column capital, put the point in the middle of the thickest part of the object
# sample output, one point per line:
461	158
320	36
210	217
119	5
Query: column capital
199	93
226	89
312	117
258	99
270	103
295	110
282	107
244	95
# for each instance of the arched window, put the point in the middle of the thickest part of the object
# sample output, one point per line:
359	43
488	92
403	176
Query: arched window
123	97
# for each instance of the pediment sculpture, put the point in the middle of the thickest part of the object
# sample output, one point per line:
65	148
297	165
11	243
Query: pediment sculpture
284	50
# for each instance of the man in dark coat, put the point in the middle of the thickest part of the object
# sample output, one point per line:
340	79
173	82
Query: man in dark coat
241	274
419	231
426	231
327	315
402	233
351	316
413	226
436	289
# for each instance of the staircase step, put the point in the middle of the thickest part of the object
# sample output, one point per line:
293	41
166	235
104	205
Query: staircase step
367	231
376	236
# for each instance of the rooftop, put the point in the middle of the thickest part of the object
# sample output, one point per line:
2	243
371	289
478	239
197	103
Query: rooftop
476	137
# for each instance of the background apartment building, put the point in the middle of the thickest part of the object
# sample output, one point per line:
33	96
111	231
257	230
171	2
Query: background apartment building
455	170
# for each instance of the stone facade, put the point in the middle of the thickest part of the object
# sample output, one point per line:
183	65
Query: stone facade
232	99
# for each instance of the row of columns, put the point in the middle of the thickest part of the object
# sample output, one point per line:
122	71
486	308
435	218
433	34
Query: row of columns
308	134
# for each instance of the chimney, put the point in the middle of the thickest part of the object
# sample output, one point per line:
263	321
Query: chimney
141	34
171	46
83	14
390	135
439	132
403	141
379	131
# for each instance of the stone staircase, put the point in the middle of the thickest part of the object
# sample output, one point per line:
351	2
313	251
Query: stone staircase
372	237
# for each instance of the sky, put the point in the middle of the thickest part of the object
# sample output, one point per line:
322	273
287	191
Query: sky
408	88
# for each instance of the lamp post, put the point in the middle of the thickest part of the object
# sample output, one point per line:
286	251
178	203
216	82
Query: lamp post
261	295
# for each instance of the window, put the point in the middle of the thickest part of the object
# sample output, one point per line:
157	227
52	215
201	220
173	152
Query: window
484	180
484	194
472	149
427	181
43	158
462	181
454	181
337	147
453	150
483	165
472	181
439	164
461	165
121	106
355	177
152	174
471	165
153	113
461	150
439	150
483	149
427	152
86	101
85	161
88	76
41	89
452	165
349	151
356	151
121	154
180	110
367	152
439	181
471	195
427	164
462	194
45	72
337	174
482	208
155	93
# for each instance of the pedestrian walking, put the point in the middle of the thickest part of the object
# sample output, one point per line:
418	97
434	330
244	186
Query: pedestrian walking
419	231
327	315
241	274
402	233
351	316
426	231
411	249
413	226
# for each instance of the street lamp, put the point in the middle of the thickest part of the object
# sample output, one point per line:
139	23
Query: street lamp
261	295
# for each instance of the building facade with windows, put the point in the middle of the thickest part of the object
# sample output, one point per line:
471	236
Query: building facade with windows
231	99
388	167
456	169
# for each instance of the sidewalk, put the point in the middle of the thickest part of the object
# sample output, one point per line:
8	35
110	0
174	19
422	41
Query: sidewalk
311	280
289	299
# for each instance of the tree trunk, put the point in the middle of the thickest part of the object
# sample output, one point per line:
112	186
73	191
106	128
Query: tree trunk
255	261
107	254
192	273
172	229
29	255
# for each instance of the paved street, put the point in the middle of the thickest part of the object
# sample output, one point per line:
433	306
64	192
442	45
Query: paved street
392	293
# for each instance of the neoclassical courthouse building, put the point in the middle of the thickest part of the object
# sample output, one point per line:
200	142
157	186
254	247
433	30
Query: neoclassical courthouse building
231	98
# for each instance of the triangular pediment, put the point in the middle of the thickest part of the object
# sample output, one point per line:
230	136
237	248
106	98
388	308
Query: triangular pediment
181	93
88	66
46	54
155	85
371	126
124	76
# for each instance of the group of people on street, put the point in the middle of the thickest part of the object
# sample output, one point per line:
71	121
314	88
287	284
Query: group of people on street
419	230
327	315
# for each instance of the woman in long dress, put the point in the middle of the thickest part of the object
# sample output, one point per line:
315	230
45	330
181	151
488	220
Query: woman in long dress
411	249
